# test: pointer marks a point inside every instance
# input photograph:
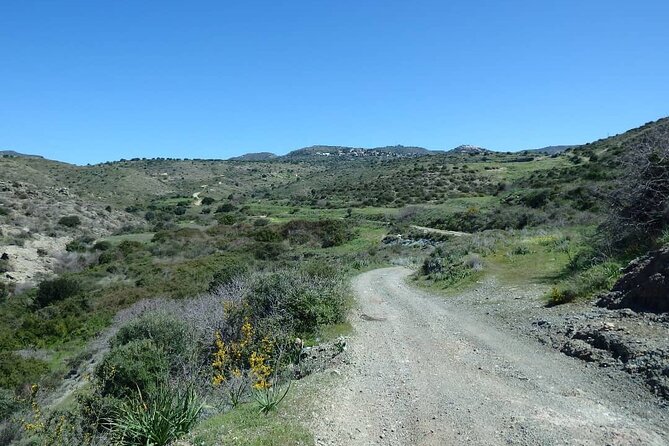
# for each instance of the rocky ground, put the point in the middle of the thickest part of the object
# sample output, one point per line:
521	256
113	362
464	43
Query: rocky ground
467	369
626	329
32	242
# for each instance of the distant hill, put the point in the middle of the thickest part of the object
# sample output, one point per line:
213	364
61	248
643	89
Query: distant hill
256	156
467	149
355	152
14	153
550	150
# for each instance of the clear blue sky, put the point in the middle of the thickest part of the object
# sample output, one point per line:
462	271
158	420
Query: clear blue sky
89	81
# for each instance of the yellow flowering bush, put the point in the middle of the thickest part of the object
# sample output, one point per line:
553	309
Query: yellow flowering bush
242	362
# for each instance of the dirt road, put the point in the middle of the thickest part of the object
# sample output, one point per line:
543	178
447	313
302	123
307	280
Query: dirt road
428	371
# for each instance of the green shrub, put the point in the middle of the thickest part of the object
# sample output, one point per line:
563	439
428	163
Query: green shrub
327	233
559	296
127	247
520	250
4	266
267	251
208	201
137	365
167	333
156	419
586	283
227	274
51	291
226	219
16	371
299	301
102	246
71	221
8	403
225	207
76	246
266	235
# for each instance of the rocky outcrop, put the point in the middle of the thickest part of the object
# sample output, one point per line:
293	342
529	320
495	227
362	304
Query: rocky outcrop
644	286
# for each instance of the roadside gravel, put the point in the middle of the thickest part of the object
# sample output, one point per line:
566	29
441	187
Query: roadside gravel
425	370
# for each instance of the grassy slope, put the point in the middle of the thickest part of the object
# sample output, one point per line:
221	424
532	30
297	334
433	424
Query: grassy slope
285	191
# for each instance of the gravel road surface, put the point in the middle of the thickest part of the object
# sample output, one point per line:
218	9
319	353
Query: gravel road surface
425	370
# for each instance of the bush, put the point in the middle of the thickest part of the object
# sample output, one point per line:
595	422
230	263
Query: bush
102	246
227	274
640	199
226	207
127	247
301	302
76	246
208	201
71	221
327	233
167	333
267	251
585	284
137	365
51	291
8	403
156	419
16	371
227	219
559	296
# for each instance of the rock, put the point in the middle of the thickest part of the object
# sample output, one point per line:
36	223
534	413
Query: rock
644	285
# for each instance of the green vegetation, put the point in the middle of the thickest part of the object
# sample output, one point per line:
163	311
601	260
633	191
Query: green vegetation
211	294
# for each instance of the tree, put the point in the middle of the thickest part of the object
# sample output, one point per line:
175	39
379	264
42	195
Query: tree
639	203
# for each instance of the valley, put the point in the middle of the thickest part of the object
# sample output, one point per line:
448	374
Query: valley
400	295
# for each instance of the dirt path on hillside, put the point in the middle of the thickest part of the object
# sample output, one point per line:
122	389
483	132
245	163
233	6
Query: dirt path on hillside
428	371
198	200
440	231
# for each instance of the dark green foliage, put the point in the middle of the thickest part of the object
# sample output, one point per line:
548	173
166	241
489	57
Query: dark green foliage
226	219
208	201
51	291
227	274
137	365
127	247
266	235
71	221
75	246
299	300
536	198
226	207
326	233
167	333
16	371
4	210
268	251
102	246
8	403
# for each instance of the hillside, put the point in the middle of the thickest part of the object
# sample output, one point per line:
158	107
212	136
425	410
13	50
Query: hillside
358	152
121	275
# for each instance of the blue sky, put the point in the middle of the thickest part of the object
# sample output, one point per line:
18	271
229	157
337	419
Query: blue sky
89	81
